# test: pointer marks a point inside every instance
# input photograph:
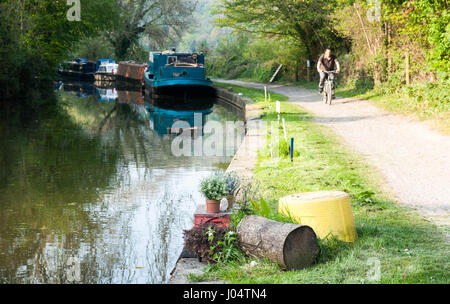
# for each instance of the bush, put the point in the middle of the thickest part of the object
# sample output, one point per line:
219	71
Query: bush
213	187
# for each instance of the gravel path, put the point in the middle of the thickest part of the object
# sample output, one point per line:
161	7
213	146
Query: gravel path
414	159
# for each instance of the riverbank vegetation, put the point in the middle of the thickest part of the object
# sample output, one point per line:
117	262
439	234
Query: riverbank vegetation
36	36
396	51
141	26
409	248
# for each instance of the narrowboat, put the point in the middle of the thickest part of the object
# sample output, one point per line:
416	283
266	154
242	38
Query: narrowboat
79	69
106	70
130	74
170	73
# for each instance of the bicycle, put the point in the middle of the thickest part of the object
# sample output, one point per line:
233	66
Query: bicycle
327	94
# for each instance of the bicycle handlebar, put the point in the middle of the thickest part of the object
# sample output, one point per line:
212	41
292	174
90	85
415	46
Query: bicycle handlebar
328	72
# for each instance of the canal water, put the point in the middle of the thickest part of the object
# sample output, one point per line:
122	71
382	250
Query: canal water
95	194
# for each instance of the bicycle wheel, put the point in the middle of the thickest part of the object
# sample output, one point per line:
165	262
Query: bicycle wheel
329	96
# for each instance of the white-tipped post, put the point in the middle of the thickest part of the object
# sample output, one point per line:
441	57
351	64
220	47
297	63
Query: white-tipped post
285	132
265	93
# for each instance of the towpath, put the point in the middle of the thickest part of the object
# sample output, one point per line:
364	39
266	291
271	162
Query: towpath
413	159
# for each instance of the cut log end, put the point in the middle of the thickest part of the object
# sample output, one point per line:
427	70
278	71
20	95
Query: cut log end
300	248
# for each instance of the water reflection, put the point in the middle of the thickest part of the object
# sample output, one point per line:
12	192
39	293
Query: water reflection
98	185
106	94
162	120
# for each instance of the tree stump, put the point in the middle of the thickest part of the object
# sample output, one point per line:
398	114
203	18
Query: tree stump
292	246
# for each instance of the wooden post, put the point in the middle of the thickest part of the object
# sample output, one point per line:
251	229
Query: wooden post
276	73
388	47
407	67
292	246
308	70
291	149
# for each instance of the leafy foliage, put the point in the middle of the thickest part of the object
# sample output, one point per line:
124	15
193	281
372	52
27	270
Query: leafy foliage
213	244
261	208
153	22
404	53
231	180
224	249
213	187
35	36
302	20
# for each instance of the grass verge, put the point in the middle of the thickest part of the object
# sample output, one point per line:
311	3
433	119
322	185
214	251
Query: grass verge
410	249
256	95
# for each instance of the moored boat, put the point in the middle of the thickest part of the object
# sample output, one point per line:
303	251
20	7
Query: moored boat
79	69
172	73
106	70
131	73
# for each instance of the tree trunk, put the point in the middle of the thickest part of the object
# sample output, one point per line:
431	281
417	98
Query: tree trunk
292	246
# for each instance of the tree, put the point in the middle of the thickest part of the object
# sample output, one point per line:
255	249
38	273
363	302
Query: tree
158	20
35	35
304	21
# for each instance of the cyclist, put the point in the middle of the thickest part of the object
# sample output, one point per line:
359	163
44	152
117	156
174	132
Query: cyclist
327	62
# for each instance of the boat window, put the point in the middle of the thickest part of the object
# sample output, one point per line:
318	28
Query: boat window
188	59
171	59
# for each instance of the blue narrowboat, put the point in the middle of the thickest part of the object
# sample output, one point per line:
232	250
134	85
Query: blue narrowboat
172	72
80	69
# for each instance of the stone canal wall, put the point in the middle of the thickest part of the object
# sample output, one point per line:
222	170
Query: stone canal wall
232	101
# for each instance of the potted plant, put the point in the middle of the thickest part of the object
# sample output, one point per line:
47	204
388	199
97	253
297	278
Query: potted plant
214	189
232	183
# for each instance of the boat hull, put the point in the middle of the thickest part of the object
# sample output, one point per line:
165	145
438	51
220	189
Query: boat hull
178	87
77	75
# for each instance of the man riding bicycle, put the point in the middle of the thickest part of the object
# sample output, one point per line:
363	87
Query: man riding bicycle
327	62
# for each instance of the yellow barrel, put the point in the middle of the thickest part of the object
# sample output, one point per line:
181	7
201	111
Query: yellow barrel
326	212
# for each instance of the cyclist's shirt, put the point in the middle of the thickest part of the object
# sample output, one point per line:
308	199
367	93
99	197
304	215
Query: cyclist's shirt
328	64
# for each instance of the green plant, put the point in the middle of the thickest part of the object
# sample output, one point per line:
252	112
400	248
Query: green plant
213	243
213	187
261	208
365	197
231	180
198	240
225	248
283	147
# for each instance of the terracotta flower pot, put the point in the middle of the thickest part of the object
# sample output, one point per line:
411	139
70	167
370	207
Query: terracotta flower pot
230	199
212	206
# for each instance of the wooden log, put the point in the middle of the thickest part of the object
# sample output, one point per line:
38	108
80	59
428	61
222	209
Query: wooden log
292	246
